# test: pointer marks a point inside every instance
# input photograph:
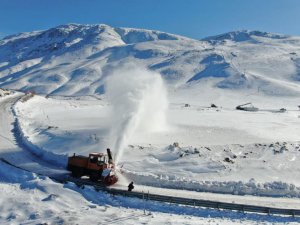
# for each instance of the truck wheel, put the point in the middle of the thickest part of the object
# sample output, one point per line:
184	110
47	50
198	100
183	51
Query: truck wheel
94	176
76	173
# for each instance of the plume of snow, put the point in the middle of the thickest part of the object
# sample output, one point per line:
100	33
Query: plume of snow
139	102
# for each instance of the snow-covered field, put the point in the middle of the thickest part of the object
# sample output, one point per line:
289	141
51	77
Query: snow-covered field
220	149
30	199
147	95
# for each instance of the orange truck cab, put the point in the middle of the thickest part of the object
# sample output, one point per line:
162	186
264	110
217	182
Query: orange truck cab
97	166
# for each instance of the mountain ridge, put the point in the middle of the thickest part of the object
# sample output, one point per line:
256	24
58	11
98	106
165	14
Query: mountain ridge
75	59
244	35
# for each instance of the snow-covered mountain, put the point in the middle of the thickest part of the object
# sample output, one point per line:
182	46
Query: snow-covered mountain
244	35
75	59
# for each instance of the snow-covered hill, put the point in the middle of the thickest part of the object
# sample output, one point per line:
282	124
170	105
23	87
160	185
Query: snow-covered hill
244	35
75	59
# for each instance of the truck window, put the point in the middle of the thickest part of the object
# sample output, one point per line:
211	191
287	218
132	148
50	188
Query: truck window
101	160
93	159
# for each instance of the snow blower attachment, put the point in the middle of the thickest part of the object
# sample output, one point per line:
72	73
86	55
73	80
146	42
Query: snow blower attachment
97	166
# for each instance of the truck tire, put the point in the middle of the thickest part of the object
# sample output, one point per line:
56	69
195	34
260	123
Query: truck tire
77	173
94	176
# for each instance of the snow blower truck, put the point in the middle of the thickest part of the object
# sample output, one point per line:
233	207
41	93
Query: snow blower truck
97	166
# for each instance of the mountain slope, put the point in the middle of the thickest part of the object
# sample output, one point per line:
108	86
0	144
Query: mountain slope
244	35
75	59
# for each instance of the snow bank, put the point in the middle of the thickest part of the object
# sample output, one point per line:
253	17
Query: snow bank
24	141
270	189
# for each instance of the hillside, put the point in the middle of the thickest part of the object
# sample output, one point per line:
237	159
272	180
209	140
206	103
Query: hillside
75	59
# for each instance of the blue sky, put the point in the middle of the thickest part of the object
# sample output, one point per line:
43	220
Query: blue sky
192	18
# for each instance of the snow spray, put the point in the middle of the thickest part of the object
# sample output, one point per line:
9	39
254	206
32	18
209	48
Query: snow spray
139	102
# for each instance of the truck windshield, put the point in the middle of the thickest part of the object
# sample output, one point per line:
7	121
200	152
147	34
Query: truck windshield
93	159
101	160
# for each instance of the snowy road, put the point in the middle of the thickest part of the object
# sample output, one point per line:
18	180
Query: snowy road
12	149
226	198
